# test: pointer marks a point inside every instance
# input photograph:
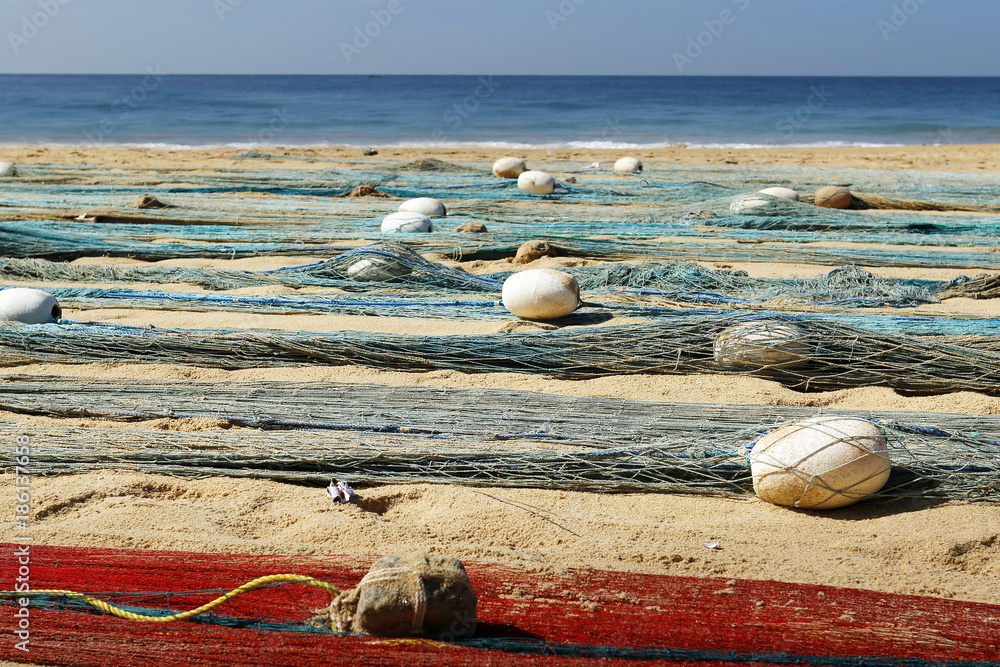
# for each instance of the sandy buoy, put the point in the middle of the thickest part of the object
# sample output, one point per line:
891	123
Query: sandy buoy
27	305
405	595
406	222
365	190
820	463
509	167
781	193
541	294
536	183
148	201
7	170
753	205
472	227
377	268
627	165
833	197
529	251
760	344
429	206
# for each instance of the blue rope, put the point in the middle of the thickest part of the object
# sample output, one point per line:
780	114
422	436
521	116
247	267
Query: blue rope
256	300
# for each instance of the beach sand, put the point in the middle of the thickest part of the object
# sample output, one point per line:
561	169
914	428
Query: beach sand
949	550
976	158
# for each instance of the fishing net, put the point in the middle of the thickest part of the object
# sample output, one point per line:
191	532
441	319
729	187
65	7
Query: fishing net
403	305
806	354
584	616
25	240
370	434
238	212
357	269
644	289
309	432
389	265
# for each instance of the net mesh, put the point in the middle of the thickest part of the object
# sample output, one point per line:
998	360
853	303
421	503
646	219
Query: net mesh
587	616
673	215
370	434
806	354
241	212
390	266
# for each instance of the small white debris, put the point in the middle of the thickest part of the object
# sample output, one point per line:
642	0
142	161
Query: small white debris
715	546
340	492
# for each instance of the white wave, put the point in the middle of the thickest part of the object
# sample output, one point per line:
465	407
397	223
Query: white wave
507	145
815	144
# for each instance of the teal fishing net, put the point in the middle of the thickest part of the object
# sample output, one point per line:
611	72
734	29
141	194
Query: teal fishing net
240	212
391	266
368	434
803	353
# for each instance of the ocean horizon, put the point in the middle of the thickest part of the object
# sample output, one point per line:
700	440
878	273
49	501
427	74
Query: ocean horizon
161	110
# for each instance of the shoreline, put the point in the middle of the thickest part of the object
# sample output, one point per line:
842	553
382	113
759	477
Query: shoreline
959	158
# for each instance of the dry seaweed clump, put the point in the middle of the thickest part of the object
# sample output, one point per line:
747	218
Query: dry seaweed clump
416	594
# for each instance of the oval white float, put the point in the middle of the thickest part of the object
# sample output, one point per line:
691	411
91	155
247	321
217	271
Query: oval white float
781	193
509	167
432	208
820	463
627	165
536	183
405	222
29	306
541	294
762	344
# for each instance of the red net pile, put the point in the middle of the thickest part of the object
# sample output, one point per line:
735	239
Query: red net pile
524	618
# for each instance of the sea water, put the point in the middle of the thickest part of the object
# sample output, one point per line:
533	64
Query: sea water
157	109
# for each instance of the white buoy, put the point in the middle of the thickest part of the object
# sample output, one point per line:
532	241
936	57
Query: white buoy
781	193
7	170
627	165
376	268
541	294
760	344
509	167
30	306
406	222
753	205
429	206
536	183
820	463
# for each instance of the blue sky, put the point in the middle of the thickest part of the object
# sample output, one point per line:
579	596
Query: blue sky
650	37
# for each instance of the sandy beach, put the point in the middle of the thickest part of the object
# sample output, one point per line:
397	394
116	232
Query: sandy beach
977	158
946	549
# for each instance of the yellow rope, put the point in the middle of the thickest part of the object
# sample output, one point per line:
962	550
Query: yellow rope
182	616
